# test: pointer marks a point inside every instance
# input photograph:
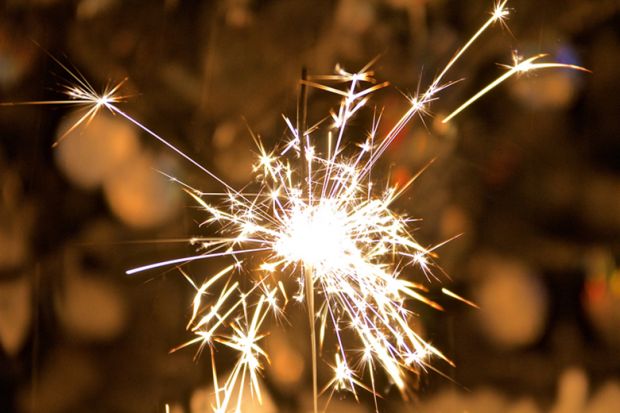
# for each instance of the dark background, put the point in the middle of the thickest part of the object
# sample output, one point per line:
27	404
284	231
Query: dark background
530	175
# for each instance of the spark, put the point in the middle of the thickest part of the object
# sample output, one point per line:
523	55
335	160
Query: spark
458	297
320	226
520	66
80	92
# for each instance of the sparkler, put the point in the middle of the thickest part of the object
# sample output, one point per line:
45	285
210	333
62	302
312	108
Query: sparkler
324	235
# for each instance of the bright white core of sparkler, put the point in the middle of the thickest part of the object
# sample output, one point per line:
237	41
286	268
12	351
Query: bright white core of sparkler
318	236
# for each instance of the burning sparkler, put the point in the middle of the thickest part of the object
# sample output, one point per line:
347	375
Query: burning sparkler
324	234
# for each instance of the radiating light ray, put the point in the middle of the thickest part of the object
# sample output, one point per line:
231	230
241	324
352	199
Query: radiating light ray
185	260
319	230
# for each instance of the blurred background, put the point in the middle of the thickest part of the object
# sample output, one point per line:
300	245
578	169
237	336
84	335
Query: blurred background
530	175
